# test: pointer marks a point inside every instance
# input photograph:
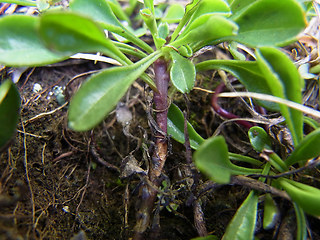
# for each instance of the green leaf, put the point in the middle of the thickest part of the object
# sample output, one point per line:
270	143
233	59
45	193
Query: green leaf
268	22
218	7
100	93
173	14
284	81
100	11
248	72
212	159
307	197
259	139
182	72
9	111
270	212
302	227
190	8
307	149
118	10
239	6
22	2
243	224
208	27
176	128
20	44
71	33
149	4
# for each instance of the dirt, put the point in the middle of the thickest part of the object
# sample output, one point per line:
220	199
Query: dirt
59	184
56	183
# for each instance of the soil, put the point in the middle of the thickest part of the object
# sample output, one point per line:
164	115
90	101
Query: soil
59	184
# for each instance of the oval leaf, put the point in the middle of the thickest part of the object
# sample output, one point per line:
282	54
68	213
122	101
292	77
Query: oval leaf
182	72
20	44
71	33
9	111
212	159
176	128
101	93
269	22
259	139
243	223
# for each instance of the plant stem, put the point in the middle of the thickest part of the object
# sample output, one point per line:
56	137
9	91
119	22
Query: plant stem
224	113
148	191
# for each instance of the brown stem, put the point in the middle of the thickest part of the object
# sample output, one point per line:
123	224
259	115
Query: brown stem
148	191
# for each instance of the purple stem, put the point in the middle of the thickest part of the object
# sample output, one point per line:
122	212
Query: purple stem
224	113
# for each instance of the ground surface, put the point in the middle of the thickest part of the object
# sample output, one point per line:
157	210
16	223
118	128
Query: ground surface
56	183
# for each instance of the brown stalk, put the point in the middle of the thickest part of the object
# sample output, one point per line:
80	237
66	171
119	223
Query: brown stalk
148	191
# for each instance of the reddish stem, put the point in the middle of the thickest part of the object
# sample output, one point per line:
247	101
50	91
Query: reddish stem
148	191
224	113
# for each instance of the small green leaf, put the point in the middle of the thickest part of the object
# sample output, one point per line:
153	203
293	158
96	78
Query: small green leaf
163	30
307	149
208	27
219	7
212	159
20	44
284	81
72	33
270	212
100	93
268	22
185	51
149	4
9	111
173	14
259	139
190	8
307	197
182	72
243	223
176	128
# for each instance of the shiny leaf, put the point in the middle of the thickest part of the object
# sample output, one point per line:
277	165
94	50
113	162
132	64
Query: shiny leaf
98	96
176	128
9	111
259	139
243	223
208	27
100	11
72	33
182	72
212	159
270	212
20	44
268	22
